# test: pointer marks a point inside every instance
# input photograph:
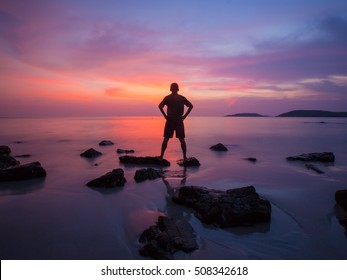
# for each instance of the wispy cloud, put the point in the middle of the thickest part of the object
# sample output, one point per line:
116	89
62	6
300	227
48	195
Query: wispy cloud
225	50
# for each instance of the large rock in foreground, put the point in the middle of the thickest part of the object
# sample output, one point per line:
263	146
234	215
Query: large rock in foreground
233	207
323	157
167	237
112	179
144	160
22	172
148	174
341	198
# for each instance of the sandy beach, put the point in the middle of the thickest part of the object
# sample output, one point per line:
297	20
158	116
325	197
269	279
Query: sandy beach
59	217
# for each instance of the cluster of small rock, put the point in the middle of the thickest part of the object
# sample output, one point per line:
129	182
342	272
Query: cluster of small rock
12	170
230	208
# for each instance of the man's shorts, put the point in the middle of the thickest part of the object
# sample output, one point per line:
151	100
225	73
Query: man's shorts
174	124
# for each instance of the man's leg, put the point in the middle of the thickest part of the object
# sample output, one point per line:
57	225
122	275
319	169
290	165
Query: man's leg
164	146
184	147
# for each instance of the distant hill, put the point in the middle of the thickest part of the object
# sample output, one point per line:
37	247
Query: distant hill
314	114
245	115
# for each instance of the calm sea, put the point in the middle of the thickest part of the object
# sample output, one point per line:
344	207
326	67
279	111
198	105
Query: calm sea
60	218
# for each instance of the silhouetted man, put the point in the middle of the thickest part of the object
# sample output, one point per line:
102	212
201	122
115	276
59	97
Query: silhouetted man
174	118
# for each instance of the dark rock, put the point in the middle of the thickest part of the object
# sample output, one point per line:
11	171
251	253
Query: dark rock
112	179
341	198
148	173
5	150
22	172
167	237
90	153
323	157
7	161
252	159
314	168
233	207
188	162
144	160
106	143
219	147
121	151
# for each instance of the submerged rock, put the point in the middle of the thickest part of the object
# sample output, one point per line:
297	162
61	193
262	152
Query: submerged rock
188	162
7	161
22	172
112	179
219	147
167	237
121	151
5	150
106	143
341	198
90	153
148	173
144	160
233	207
323	157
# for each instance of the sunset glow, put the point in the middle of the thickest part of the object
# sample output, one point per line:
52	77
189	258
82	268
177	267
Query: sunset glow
119	57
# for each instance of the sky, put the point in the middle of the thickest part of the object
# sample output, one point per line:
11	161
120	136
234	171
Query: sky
115	58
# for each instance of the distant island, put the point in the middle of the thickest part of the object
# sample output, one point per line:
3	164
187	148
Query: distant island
245	115
314	114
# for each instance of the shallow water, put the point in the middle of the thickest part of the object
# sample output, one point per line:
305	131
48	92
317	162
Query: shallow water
60	218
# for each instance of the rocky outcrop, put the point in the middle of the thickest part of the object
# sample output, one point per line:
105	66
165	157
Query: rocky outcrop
144	160
106	143
148	174
219	147
121	151
112	179
189	162
167	237
7	161
322	157
341	198
233	207
5	150
22	172
91	153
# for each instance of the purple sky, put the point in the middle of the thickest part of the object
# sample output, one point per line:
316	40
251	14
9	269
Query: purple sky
108	57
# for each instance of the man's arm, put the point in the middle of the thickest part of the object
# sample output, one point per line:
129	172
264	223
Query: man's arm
190	107
161	108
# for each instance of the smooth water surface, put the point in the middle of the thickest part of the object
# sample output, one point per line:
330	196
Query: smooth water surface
58	217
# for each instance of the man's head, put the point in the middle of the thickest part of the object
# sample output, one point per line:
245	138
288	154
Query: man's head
174	87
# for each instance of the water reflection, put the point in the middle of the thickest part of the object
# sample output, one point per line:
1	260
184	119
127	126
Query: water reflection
21	187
